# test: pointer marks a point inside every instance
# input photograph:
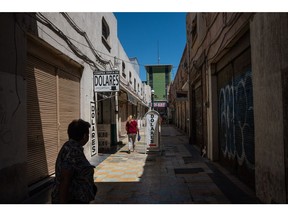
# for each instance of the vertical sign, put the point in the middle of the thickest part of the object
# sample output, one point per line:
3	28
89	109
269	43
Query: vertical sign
93	131
152	129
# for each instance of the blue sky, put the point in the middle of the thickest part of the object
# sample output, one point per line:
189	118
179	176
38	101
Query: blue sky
142	33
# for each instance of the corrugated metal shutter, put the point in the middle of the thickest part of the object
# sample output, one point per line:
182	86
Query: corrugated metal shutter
53	101
69	102
236	117
41	118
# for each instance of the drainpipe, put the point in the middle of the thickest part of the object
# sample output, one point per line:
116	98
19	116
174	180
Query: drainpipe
116	68
189	95
117	116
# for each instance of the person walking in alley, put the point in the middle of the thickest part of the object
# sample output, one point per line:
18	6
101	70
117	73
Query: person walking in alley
132	130
74	182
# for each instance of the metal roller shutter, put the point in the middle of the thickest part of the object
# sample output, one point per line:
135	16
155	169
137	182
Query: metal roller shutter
69	102
41	118
236	117
53	101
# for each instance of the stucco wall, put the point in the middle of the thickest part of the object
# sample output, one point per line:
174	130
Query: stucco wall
91	24
269	57
13	144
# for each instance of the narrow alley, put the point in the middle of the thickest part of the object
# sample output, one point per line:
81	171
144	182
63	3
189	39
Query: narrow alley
176	175
224	91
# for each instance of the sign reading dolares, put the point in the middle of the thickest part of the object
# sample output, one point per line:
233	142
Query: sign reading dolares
152	129
94	147
106	81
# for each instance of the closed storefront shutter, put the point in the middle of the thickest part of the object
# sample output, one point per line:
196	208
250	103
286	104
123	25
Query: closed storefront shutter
42	119
69	101
236	117
53	101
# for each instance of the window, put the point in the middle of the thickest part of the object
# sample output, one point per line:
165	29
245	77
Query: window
105	34
130	77
138	88
123	69
105	29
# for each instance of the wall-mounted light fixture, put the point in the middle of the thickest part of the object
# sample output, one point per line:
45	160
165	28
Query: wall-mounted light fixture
152	97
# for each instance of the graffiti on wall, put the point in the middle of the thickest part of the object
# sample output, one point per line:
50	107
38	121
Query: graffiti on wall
236	120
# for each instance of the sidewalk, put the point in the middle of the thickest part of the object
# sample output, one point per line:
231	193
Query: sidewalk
177	176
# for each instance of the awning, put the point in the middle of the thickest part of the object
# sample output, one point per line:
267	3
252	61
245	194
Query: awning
132	99
181	95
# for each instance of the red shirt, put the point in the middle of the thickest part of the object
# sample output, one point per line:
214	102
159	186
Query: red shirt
131	127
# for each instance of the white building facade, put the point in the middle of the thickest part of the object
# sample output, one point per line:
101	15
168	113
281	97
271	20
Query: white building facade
47	81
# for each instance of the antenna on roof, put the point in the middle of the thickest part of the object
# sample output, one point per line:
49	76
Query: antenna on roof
158	51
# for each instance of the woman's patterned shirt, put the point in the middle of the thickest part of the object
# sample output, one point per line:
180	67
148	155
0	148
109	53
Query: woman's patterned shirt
71	157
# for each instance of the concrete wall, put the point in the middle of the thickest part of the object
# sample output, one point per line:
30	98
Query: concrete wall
269	55
13	143
269	60
91	24
180	101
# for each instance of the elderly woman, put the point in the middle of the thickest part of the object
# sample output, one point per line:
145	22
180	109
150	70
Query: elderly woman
74	182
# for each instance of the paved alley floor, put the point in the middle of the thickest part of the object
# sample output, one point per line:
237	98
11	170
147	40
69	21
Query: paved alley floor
176	175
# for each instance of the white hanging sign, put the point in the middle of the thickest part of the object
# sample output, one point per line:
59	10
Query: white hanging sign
106	81
152	129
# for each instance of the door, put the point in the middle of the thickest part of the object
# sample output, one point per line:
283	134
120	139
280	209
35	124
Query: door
236	118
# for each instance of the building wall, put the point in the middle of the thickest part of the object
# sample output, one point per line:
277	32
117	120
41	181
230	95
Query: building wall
159	86
159	78
84	21
220	45
13	143
269	62
216	60
180	94
17	29
132	85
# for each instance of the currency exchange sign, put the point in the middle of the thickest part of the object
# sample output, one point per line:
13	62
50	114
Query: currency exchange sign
106	81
